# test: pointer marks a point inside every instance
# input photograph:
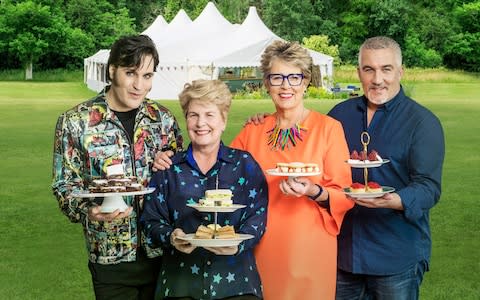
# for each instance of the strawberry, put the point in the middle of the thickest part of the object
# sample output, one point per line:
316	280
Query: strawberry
372	156
363	155
357	185
354	155
373	185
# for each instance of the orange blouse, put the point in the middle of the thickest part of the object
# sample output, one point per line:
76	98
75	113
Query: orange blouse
297	256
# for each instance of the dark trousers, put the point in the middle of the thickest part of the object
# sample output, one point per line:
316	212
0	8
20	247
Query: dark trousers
402	286
126	281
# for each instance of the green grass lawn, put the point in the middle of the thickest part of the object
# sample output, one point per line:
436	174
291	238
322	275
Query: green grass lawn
42	255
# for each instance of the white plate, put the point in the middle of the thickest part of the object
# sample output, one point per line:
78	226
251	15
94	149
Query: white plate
215	242
386	189
204	208
367	164
87	194
274	172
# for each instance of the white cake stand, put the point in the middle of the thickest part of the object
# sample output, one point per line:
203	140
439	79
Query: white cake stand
112	201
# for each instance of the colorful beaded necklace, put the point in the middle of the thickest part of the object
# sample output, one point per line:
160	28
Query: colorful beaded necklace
279	138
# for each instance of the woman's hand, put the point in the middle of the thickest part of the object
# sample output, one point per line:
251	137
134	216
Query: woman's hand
298	186
95	214
162	160
180	245
256	119
230	250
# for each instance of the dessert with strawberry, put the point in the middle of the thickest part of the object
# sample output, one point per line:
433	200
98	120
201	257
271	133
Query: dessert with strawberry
373	187
357	188
363	157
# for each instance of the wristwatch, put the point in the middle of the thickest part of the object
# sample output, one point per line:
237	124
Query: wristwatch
320	190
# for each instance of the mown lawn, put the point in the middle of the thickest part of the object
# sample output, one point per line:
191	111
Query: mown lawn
43	255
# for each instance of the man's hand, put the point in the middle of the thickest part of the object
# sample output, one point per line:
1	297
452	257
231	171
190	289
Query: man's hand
180	245
391	200
162	160
256	119
231	250
95	214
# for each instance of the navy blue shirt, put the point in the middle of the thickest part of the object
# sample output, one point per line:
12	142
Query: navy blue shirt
202	274
386	241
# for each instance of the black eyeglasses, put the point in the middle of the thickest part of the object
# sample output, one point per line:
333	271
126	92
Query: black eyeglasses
293	79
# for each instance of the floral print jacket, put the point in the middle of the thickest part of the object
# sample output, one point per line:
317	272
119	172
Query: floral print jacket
88	139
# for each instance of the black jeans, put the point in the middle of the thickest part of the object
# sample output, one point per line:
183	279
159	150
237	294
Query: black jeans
126	281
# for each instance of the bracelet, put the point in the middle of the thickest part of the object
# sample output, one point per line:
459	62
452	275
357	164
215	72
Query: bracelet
314	197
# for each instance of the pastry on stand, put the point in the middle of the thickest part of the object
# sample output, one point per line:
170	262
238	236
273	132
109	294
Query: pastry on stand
366	160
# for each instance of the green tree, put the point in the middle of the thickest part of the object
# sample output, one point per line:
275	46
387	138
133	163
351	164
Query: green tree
291	20
416	53
30	31
234	11
102	21
462	50
468	16
192	7
321	43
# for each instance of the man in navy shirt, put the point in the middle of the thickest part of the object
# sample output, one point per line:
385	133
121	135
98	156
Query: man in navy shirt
384	245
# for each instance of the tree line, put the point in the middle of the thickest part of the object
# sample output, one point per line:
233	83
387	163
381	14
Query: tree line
50	34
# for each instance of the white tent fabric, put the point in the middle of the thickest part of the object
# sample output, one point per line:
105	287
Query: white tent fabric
196	49
157	25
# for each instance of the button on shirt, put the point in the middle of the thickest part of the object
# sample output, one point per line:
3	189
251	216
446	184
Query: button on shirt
202	274
386	241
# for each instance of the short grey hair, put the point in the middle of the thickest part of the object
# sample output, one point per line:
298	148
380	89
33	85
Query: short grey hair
289	52
381	42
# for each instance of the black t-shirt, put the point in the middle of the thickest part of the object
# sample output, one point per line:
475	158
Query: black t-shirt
127	118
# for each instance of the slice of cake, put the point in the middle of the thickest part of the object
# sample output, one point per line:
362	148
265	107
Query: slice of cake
225	232
218	197
311	167
357	188
203	232
209	232
115	171
282	167
373	187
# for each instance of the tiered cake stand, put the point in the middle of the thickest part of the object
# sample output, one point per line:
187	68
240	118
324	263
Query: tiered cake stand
215	242
112	201
365	139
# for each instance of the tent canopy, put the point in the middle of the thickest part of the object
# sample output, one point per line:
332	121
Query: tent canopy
192	50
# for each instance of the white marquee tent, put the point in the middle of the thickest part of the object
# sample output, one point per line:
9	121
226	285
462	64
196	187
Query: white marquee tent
196	49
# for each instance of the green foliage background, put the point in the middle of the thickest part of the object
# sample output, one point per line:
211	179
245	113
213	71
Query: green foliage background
59	34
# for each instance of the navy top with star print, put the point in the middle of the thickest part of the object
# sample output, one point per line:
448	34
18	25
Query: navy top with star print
203	274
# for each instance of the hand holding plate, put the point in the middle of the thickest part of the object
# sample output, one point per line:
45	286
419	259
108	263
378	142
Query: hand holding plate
95	214
388	200
181	244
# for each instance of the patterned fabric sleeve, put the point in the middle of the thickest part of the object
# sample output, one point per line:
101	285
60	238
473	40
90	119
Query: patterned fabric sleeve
155	216
254	218
67	168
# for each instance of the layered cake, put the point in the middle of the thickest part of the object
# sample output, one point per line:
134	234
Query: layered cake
297	167
209	232
115	182
218	197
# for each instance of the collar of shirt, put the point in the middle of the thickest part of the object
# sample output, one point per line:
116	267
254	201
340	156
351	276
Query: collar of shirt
187	156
